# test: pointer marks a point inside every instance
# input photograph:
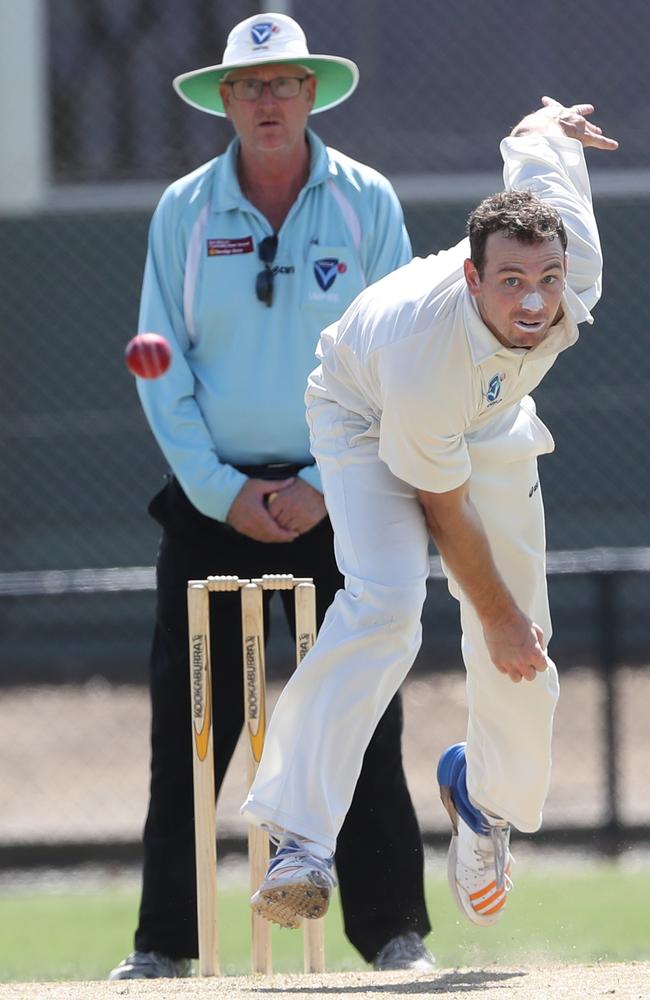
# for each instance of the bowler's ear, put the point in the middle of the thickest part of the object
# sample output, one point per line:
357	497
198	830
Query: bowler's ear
471	277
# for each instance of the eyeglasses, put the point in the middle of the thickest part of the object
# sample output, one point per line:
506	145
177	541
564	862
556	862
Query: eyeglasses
283	88
266	251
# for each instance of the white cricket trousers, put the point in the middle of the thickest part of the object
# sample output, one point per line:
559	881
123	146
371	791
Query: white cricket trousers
329	709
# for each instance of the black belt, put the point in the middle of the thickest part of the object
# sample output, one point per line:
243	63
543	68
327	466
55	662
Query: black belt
274	470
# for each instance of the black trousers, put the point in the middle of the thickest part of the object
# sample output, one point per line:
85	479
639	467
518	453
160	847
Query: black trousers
379	857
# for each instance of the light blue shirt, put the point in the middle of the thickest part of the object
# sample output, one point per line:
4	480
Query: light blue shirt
234	394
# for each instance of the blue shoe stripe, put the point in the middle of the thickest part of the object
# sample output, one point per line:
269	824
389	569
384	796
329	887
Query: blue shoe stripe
288	848
452	770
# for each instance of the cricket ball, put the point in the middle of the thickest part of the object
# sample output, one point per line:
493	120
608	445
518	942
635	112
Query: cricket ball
148	355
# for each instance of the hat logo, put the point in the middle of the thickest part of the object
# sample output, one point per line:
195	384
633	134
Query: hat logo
262	31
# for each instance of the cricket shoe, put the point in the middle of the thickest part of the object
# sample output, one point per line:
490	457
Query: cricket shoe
151	965
405	951
479	859
297	884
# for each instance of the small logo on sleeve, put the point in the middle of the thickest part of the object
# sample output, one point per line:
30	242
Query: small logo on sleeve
228	247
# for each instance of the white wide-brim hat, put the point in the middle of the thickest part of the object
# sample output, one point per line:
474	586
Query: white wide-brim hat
269	38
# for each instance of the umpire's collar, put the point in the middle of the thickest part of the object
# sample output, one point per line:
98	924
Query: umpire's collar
228	195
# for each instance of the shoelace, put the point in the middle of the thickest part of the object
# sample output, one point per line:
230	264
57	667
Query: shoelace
296	849
500	837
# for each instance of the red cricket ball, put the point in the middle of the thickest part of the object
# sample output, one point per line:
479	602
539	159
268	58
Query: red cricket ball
148	355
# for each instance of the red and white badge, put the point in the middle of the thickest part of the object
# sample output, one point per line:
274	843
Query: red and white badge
227	247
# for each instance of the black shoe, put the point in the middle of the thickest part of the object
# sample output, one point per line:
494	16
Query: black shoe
406	951
151	965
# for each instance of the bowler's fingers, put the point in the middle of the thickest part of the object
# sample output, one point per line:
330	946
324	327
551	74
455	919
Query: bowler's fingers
539	659
600	142
574	123
580	109
531	662
525	672
539	634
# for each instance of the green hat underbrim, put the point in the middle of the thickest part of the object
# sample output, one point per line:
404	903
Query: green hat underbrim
336	79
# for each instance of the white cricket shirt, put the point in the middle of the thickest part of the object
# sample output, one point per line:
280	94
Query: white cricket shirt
413	358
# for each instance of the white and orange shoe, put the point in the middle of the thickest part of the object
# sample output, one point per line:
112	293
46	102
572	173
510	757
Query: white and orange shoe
479	859
298	883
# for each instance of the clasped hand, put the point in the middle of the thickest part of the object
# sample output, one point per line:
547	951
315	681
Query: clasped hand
276	511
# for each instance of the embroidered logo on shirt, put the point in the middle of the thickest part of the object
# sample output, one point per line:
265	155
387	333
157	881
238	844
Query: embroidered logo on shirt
261	32
494	389
226	247
326	269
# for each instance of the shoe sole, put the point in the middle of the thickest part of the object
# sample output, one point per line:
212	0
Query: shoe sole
288	905
416	965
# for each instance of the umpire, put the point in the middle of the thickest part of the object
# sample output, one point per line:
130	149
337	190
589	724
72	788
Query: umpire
249	257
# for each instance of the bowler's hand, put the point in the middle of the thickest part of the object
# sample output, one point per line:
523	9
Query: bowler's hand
298	507
516	647
556	119
248	513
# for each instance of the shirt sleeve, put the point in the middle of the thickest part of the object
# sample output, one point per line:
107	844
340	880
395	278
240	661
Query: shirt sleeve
554	168
426	461
386	244
423	421
169	402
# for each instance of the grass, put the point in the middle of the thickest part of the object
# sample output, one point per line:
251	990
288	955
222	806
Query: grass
593	912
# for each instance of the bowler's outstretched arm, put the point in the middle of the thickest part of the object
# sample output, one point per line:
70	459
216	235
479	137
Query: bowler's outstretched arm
513	640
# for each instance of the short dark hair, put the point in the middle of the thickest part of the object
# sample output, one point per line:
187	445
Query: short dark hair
515	213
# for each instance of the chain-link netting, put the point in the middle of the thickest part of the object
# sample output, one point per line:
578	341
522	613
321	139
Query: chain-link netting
86	780
440	84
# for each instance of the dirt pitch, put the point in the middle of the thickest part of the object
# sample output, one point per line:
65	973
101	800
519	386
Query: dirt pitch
569	982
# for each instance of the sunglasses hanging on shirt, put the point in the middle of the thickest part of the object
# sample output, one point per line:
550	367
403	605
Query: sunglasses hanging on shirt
266	251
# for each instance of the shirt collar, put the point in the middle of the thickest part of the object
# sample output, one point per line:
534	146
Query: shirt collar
226	192
483	344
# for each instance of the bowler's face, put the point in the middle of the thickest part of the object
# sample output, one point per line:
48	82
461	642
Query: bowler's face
519	295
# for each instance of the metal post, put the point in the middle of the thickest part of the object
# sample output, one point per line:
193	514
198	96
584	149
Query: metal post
608	627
